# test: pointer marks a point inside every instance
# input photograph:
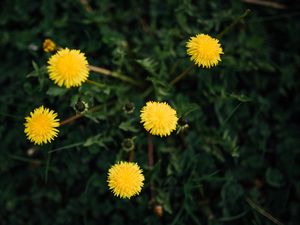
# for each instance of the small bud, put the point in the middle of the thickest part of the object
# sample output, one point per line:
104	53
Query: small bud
258	183
49	45
182	125
158	210
128	144
129	108
182	121
81	106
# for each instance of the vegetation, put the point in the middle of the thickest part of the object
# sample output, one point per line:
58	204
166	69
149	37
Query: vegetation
234	157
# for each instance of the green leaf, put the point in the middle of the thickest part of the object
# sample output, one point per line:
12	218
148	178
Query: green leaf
128	126
240	97
99	139
274	177
149	64
56	91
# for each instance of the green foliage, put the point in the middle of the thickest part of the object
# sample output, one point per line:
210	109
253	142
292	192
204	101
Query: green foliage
240	134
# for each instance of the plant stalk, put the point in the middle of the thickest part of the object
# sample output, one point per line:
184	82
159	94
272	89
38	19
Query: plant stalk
75	117
150	164
233	23
107	72
228	28
263	211
131	156
181	75
96	83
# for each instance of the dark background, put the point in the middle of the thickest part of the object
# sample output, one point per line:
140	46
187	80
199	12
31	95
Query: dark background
237	163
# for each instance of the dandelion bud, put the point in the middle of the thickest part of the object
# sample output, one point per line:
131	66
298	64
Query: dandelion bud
129	108
182	125
128	144
258	183
81	106
49	45
182	122
158	210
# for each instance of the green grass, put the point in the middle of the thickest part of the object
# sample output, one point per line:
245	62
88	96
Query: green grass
236	163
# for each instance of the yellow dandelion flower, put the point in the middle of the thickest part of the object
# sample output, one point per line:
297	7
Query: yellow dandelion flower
125	179
49	45
204	50
68	68
158	118
40	126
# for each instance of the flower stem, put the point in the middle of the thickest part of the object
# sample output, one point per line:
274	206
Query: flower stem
233	23
75	117
270	4
100	70
96	83
150	164
181	75
70	119
127	79
263	211
147	92
107	72
150	152
228	28
47	167
131	156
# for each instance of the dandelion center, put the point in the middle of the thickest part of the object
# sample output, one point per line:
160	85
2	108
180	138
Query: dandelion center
125	179
204	50
158	118
40	126
68	68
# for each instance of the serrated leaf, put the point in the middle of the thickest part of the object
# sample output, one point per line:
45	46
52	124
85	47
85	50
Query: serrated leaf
241	97
99	139
128	126
38	71
188	108
148	64
35	66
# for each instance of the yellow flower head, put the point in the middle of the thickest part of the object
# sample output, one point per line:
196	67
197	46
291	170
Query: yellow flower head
49	45
158	118
125	179
40	126
204	50
68	67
